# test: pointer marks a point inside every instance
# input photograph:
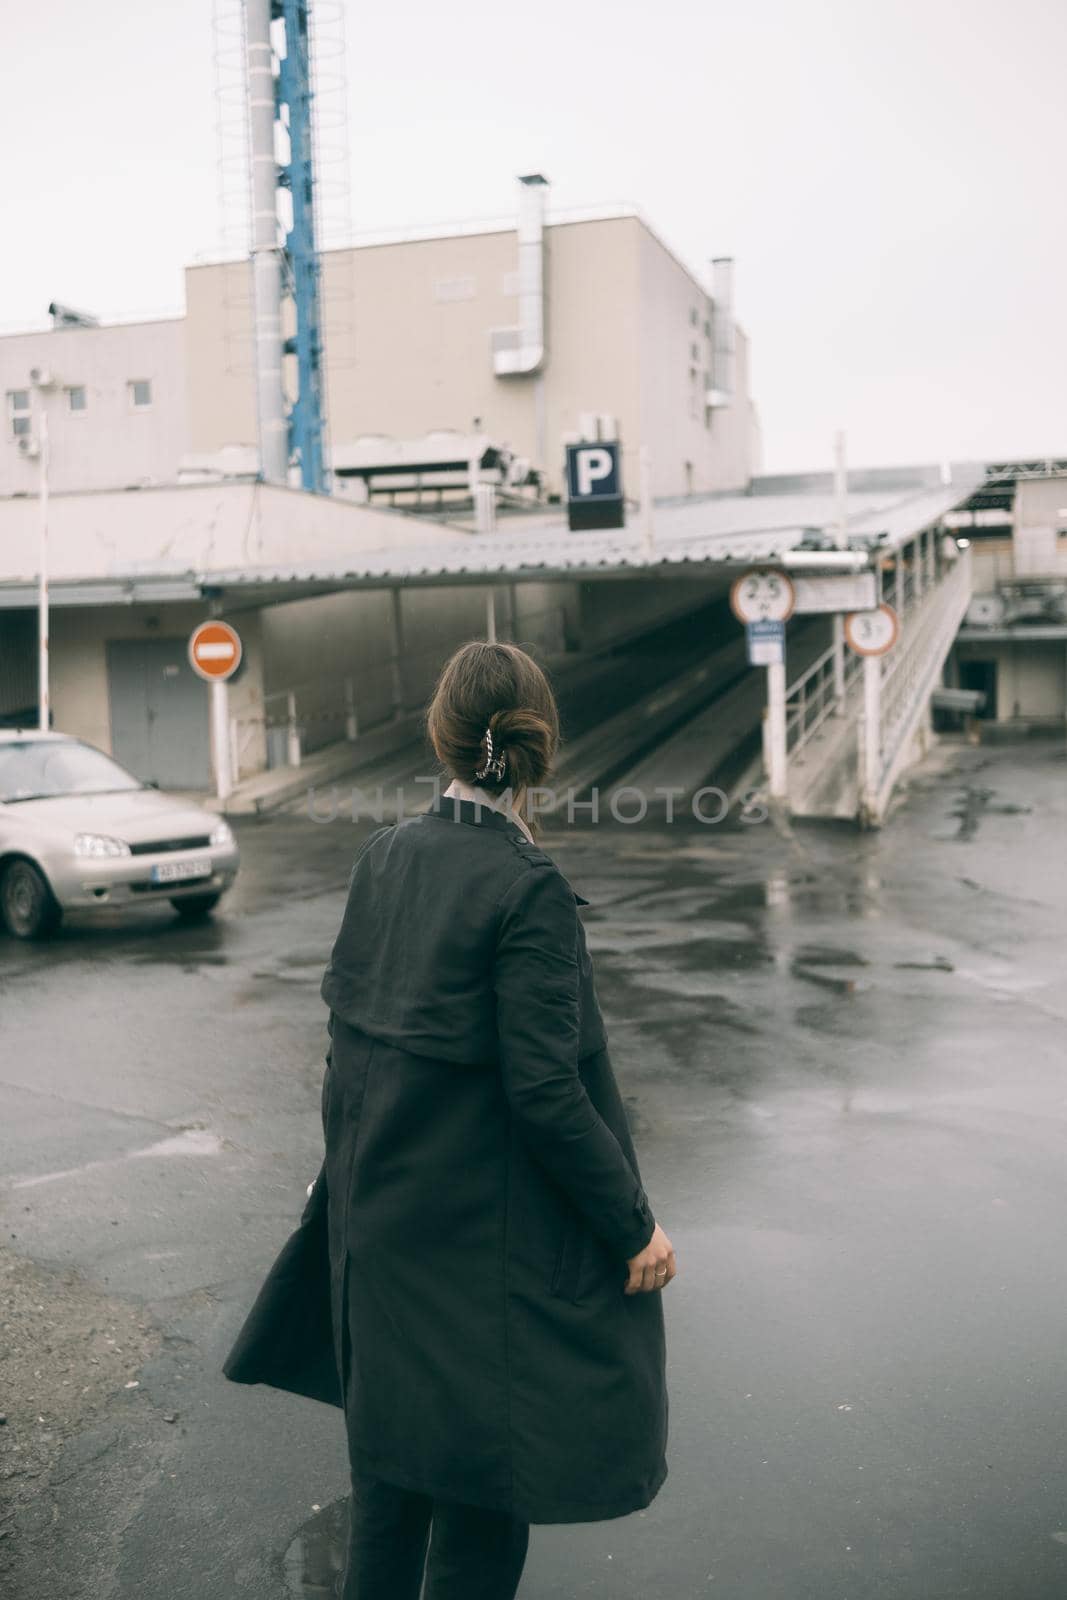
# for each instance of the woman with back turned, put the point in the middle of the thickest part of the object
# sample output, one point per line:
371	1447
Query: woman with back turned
494	1259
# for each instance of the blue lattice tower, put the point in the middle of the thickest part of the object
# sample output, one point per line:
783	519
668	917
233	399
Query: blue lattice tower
301	261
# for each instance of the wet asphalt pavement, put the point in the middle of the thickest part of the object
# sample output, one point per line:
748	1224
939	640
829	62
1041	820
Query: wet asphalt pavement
844	1060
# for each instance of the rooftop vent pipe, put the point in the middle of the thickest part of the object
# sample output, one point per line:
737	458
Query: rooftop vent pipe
521	350
266	255
724	341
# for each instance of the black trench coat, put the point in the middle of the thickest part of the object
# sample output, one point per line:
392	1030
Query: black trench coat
466	1240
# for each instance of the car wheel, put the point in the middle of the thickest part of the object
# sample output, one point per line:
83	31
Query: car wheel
27	905
195	906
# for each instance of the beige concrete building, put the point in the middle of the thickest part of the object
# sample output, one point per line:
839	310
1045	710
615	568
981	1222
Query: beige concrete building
116	404
517	338
425	336
1013	645
631	348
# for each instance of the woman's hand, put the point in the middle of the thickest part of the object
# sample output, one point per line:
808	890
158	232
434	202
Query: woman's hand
653	1267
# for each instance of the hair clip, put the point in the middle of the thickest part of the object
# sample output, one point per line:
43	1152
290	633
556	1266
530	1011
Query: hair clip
493	764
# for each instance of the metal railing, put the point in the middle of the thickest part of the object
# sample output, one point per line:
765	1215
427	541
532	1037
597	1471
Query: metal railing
890	693
814	696
908	677
820	690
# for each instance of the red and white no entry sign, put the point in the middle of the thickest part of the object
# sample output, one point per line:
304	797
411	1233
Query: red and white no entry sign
215	651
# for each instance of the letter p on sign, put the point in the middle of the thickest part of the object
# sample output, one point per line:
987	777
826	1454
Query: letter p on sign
593	466
594	485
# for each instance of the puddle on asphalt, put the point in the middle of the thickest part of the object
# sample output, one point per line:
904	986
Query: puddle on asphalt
300	966
827	955
315	1559
710	953
975	803
819	1019
711	1011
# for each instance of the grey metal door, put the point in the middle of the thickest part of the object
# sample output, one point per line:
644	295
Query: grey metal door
159	713
18	669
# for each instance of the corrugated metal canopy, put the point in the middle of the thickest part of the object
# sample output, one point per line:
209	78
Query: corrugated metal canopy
726	530
706	536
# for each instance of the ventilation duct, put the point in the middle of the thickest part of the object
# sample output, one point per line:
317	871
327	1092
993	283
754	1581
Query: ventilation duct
266	256
521	350
721	392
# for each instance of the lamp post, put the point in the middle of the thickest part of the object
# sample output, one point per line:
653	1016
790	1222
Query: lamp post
43	698
841	541
41	381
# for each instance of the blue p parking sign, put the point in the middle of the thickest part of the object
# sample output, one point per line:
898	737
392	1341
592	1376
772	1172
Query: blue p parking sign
593	472
594	485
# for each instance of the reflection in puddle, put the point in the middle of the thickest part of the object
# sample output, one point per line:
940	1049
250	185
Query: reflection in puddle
315	1559
828	955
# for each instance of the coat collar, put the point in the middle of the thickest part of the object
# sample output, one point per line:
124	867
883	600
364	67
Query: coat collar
453	809
483	801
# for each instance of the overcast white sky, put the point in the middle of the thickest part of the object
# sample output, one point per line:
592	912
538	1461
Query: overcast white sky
889	174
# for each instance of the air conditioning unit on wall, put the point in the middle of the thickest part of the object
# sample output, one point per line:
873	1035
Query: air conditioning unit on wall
985	611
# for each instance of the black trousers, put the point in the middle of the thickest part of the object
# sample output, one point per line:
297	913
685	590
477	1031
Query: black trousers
473	1554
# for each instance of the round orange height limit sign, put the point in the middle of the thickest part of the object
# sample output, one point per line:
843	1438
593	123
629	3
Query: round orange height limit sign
215	651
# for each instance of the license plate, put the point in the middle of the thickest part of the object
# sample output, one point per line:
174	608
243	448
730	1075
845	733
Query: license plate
180	871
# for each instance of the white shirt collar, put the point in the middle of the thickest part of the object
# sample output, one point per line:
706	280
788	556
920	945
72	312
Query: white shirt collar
459	790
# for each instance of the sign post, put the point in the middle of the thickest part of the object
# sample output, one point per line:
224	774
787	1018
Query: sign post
215	655
871	634
841	541
763	600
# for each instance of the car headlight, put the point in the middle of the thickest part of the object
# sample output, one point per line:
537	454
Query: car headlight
98	844
222	833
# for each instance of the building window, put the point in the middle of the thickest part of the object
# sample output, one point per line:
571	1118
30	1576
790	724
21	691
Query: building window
140	393
77	399
694	351
18	408
707	327
694	316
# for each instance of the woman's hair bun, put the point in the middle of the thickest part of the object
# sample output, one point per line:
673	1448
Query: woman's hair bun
500	688
527	742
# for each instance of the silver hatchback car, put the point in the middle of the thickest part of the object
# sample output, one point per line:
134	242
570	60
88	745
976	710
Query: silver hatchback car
78	830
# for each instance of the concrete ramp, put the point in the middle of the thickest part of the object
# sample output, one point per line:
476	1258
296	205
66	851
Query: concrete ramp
846	760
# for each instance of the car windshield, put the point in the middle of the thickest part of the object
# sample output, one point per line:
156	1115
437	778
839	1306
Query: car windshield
42	769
